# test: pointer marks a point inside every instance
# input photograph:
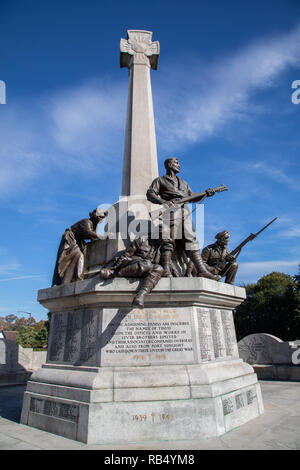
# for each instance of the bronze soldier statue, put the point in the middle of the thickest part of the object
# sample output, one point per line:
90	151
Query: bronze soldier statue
139	261
218	260
169	190
70	257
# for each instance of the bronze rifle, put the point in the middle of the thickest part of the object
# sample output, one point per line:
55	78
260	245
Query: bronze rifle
177	203
238	249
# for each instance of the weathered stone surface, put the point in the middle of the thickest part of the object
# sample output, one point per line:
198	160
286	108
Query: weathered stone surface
17	363
117	336
135	374
138	403
277	372
169	291
140	155
262	348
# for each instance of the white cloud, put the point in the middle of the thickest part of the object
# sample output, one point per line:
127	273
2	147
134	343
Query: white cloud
83	128
291	232
251	272
18	278
19	154
276	174
88	122
8	268
223	90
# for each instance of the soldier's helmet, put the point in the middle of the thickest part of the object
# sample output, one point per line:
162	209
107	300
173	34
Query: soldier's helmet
224	234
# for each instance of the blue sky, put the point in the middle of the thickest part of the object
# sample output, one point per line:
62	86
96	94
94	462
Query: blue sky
222	103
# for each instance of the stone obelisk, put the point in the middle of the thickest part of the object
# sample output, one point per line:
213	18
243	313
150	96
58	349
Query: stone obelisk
140	167
129	216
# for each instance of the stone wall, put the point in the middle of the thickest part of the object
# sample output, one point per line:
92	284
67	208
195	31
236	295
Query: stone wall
17	363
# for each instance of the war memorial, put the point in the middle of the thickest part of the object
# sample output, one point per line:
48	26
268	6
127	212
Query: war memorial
142	340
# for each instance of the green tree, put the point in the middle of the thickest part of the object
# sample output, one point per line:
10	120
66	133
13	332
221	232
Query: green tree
272	306
41	338
26	336
29	337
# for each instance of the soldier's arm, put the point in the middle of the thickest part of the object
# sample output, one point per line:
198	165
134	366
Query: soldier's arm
126	255
153	193
228	257
85	230
205	254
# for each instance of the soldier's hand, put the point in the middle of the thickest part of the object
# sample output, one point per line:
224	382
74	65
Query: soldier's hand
169	203
230	258
210	192
176	201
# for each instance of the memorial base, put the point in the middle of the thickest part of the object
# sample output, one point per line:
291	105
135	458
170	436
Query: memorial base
170	371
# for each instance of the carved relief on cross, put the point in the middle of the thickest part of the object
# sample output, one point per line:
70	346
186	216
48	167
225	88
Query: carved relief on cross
138	48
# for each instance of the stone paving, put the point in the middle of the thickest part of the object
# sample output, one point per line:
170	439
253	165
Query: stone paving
277	429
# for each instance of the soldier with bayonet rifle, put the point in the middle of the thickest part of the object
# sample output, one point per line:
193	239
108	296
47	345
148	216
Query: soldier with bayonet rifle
172	193
217	258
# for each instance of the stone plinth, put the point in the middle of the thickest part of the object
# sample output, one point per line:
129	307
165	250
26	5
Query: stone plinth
117	374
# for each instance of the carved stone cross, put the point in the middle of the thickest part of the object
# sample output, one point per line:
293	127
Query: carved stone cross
140	167
139	49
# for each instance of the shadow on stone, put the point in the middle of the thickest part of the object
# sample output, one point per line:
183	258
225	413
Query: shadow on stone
11	400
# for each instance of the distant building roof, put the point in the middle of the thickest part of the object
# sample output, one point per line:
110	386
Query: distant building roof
11	335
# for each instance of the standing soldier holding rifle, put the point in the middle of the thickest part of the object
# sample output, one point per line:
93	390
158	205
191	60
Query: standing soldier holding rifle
172	192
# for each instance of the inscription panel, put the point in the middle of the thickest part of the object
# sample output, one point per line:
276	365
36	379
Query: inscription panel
73	337
148	336
229	333
205	335
59	323
237	401
217	333
228	406
89	345
56	409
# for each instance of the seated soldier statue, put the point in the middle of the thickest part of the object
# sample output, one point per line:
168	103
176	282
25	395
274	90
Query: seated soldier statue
218	259
70	257
139	261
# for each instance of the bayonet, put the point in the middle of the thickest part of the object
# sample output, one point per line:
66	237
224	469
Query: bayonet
238	249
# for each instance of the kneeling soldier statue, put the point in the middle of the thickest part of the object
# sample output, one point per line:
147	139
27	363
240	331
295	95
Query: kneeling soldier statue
218	260
139	261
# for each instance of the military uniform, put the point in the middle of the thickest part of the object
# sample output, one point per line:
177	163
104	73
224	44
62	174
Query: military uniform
139	261
217	260
177	224
70	256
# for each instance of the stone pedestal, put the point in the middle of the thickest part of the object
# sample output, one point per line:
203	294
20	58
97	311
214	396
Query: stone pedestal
168	371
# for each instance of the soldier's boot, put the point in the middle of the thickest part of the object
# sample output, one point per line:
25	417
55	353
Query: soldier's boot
166	263
196	258
147	285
